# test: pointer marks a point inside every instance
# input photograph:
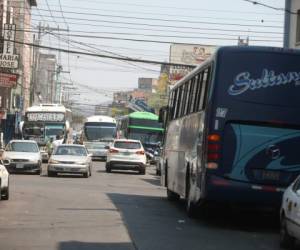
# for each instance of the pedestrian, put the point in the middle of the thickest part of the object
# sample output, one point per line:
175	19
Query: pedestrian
57	142
49	146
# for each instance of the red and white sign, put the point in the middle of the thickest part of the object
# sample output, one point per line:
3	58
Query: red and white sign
8	80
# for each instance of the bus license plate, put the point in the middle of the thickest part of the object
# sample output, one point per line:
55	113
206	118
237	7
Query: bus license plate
270	175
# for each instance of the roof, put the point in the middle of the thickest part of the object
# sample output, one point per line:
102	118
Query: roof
126	140
47	108
100	118
143	115
234	49
30	141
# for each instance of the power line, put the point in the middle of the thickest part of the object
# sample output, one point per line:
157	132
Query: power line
157	19
51	15
168	26
166	14
177	8
162	20
165	36
106	56
269	6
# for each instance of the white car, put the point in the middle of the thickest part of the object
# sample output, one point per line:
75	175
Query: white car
70	159
126	154
4	183
22	156
290	215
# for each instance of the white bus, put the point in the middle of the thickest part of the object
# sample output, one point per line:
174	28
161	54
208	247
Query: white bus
46	121
97	133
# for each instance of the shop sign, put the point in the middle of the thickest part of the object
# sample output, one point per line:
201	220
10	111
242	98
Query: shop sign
8	80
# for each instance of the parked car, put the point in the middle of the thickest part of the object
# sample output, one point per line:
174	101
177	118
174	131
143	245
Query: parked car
22	156
70	158
290	215
4	182
126	154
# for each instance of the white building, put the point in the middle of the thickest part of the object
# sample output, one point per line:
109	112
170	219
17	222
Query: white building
292	24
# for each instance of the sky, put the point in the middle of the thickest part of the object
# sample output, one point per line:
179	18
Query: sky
213	22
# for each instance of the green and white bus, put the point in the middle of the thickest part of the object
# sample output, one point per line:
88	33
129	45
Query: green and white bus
143	126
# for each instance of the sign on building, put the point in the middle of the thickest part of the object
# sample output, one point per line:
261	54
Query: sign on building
8	80
8	59
187	54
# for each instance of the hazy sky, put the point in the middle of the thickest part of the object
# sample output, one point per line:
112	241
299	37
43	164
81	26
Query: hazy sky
213	22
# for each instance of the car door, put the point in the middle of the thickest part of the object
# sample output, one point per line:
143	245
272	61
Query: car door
293	209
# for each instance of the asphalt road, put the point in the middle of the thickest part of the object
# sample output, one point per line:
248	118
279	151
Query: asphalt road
120	211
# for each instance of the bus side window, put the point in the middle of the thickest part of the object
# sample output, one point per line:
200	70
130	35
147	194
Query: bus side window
179	102
176	103
193	93
187	97
183	99
198	91
206	78
170	105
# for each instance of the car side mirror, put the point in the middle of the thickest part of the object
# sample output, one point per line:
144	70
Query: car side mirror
1	162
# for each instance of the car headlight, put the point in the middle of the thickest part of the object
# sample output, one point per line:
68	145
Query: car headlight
6	162
53	161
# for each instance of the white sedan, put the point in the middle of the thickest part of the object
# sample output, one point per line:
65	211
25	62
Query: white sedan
290	215
70	159
4	183
126	154
22	156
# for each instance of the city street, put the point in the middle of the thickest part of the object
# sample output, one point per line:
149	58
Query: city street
119	211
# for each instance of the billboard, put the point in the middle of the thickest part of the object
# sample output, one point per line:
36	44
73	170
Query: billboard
187	54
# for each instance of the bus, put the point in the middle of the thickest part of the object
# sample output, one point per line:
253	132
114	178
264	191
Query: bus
97	133
233	129
46	121
143	126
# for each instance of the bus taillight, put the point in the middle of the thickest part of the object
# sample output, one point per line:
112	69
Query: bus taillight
214	138
213	151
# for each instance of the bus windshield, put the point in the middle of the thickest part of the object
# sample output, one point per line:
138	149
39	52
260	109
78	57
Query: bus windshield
98	131
53	130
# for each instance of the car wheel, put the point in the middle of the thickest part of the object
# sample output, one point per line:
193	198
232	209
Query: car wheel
90	171
5	194
158	172
51	173
142	171
108	167
286	240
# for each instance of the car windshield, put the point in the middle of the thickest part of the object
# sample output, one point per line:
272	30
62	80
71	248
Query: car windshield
69	150
22	147
127	145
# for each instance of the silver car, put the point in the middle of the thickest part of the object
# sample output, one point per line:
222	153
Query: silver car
22	156
97	149
70	159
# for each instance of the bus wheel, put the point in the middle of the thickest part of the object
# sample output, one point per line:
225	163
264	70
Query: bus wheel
192	209
172	196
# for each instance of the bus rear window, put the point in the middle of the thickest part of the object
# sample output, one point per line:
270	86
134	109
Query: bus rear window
127	145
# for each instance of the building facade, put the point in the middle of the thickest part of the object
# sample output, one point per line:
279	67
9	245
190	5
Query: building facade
15	64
